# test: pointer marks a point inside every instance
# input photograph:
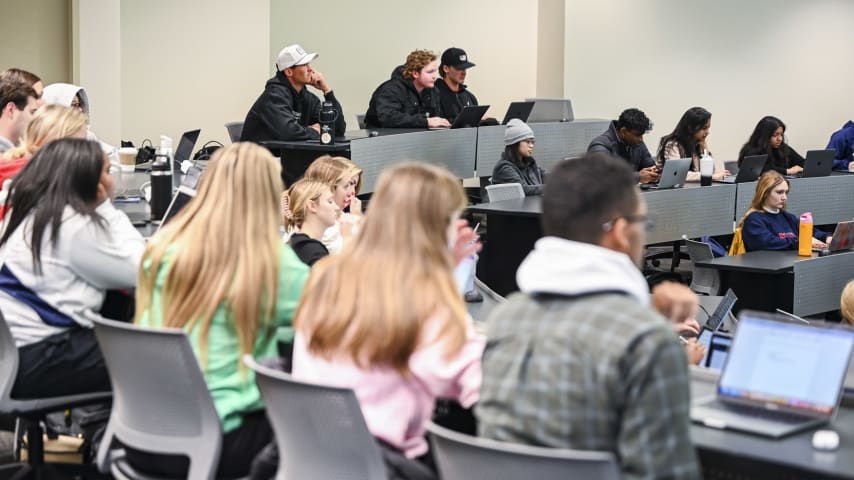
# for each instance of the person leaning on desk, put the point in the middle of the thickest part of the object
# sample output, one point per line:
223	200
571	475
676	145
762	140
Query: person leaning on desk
517	164
768	138
286	110
767	225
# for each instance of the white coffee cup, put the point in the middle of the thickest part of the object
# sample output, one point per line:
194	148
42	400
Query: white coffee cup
127	158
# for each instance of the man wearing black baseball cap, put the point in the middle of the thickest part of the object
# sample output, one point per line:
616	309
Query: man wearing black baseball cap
453	93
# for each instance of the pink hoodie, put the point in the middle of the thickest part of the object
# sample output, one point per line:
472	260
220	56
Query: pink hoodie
396	408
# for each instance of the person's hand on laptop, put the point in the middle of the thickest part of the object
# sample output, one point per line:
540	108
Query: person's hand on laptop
649	174
818	244
794	170
695	351
438	122
688	328
721	174
676	302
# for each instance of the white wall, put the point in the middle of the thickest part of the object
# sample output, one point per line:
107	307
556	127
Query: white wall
361	42
190	64
739	59
35	38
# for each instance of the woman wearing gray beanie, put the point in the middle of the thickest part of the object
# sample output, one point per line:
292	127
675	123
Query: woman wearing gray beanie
517	164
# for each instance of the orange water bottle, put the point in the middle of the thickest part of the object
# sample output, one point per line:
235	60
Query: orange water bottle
805	235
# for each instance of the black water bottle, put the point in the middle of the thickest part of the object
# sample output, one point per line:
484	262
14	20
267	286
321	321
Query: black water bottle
161	187
328	115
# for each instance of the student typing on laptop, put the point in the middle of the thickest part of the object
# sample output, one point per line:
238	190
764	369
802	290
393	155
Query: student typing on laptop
768	138
624	139
689	139
517	164
767	225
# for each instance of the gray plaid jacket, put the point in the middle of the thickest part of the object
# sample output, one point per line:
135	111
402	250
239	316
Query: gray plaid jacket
594	372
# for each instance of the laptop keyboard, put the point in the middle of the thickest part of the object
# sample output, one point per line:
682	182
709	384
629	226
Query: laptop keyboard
762	413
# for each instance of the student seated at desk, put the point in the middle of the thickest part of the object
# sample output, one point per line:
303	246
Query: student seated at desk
689	140
345	179
767	225
220	272
846	303
311	210
842	141
398	352
768	139
73	96
517	164
63	247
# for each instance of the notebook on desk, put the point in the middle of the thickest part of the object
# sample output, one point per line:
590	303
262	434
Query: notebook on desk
673	175
779	377
749	171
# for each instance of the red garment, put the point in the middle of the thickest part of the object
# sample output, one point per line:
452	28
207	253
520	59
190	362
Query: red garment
9	169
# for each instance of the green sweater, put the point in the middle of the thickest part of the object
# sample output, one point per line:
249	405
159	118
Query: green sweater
233	387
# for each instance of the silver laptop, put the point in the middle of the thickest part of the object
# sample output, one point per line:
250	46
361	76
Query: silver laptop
673	174
749	171
779	377
843	237
550	110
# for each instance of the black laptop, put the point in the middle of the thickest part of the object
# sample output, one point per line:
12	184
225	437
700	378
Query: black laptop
183	152
818	163
520	110
749	171
470	116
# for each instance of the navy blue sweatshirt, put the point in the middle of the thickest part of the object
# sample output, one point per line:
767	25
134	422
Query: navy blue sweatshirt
773	231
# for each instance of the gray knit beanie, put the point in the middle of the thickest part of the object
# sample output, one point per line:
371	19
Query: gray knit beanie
516	131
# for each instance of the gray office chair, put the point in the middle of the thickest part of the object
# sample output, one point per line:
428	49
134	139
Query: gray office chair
705	281
504	191
460	456
31	412
360	120
235	130
161	401
320	430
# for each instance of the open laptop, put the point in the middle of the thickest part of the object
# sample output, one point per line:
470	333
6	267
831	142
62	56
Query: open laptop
749	171
183	152
779	377
673	174
520	110
817	163
843	237
716	321
550	110
469	116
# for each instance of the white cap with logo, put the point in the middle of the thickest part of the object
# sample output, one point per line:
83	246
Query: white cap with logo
294	55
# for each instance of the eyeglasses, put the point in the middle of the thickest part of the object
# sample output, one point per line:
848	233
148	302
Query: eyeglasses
529	141
76	104
649	223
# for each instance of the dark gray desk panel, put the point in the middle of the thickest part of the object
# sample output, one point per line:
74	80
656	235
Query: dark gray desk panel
819	282
525	207
764	261
555	141
828	198
690	211
793	451
453	149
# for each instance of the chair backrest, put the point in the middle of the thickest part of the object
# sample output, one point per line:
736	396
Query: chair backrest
235	130
360	120
8	363
698	250
320	430
703	280
460	456
504	191
161	403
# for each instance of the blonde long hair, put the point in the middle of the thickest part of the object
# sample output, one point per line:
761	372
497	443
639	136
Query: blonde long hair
767	183
222	248
846	303
298	196
333	170
372	304
50	122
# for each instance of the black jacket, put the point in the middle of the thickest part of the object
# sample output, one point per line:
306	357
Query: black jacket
396	104
531	176
282	113
609	142
307	249
453	102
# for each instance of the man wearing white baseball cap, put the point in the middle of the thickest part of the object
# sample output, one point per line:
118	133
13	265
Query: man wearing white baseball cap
286	110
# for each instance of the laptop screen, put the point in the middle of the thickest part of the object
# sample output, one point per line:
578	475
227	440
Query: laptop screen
718	350
790	364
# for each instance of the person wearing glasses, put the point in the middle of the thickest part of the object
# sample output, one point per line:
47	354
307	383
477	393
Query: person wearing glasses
517	164
286	110
579	358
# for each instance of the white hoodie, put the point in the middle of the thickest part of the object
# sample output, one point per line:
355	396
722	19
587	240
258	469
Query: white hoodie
566	267
63	94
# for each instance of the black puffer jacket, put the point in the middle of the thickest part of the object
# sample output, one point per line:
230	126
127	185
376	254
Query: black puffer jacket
282	113
396	104
453	102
